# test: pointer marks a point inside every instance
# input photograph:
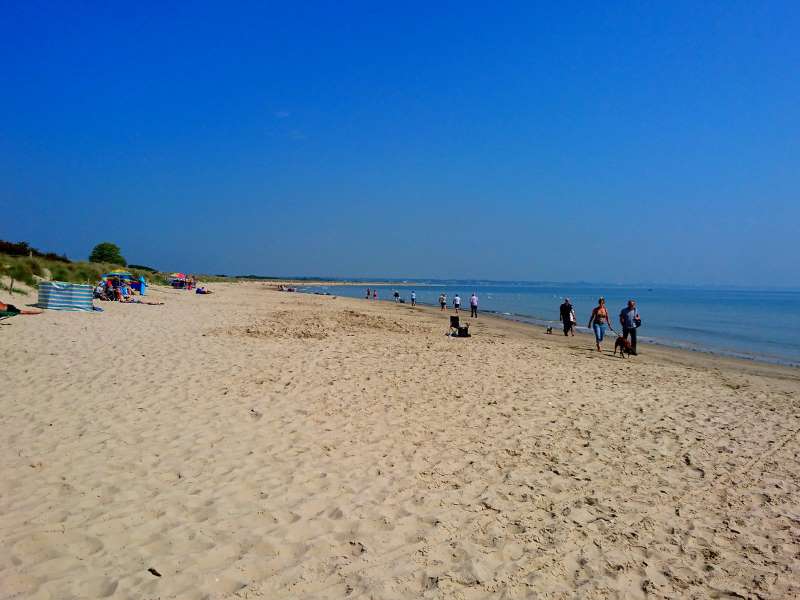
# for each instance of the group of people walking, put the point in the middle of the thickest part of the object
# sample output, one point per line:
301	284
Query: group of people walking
600	321
473	300
473	303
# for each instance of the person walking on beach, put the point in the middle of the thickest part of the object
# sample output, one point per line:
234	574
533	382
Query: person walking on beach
599	321
566	315
456	302
629	319
413	298
443	300
396	296
375	294
369	293
473	305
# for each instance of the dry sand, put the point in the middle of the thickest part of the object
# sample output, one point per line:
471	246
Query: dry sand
259	444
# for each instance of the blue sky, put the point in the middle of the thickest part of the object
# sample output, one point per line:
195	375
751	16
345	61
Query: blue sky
619	142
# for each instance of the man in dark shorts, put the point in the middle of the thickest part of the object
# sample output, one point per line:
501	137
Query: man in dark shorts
565	315
630	320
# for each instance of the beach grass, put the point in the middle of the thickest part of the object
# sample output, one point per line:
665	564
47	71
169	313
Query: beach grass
28	271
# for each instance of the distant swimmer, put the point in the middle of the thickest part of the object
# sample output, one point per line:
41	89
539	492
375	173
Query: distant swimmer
473	305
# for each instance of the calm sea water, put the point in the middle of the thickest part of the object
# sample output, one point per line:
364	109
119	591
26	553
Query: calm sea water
762	325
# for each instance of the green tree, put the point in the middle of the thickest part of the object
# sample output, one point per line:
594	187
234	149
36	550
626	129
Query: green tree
108	253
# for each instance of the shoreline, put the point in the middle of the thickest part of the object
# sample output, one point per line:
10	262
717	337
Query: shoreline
530	327
533	321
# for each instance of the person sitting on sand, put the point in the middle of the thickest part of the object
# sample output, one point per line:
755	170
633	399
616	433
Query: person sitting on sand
10	308
203	290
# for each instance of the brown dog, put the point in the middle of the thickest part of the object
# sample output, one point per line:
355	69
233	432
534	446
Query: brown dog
623	345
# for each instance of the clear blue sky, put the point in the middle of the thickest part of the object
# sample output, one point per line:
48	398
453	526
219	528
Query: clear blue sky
622	142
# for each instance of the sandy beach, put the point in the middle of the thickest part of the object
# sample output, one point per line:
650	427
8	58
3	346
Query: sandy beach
262	444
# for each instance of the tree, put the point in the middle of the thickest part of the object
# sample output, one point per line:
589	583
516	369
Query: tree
108	253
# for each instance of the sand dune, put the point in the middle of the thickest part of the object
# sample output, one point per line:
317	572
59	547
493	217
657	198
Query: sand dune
259	444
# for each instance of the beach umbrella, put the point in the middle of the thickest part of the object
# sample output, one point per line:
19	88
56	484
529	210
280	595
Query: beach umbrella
178	276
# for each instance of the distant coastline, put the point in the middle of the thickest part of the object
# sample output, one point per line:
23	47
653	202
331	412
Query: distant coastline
433	282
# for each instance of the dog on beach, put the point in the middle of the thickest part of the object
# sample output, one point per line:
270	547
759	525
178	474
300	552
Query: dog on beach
623	345
549	330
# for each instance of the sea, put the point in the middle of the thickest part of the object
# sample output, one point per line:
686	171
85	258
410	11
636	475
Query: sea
761	325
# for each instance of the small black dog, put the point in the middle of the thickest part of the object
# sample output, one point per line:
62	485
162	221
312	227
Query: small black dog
623	345
549	330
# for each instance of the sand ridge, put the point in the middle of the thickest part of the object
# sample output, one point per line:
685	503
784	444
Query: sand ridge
254	443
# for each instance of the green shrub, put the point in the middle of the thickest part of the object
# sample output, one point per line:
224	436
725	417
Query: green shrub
33	266
19	272
59	273
86	273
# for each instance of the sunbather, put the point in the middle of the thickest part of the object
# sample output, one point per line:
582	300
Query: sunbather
13	310
133	300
